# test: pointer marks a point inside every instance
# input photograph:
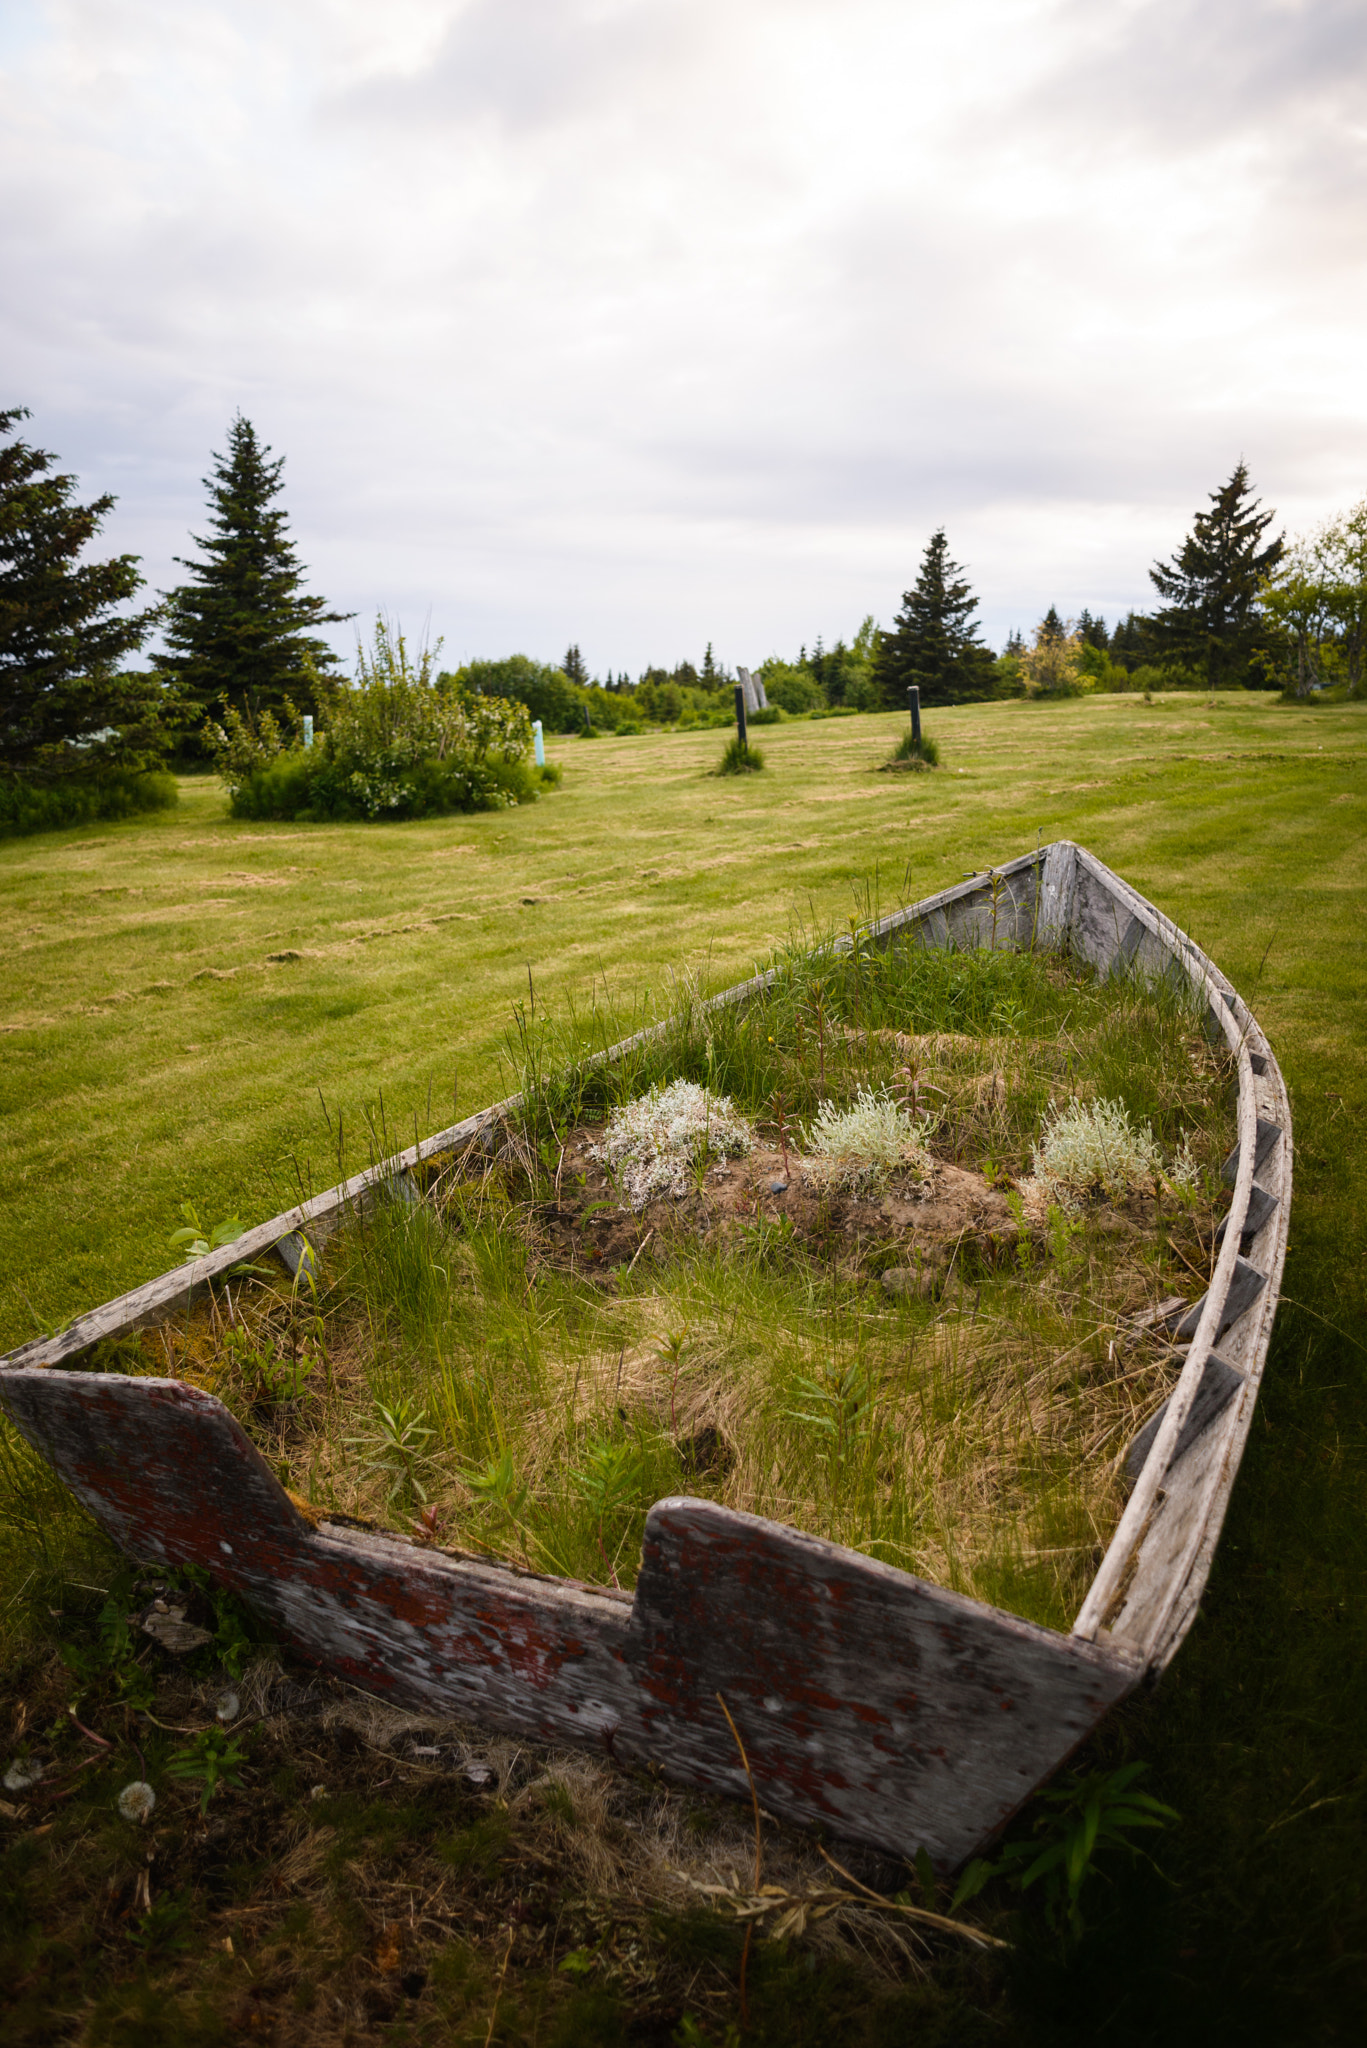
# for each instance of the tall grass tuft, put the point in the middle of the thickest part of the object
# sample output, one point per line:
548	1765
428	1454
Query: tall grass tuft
739	758
913	753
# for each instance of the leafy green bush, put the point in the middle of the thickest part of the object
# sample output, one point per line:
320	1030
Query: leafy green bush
548	693
792	688
116	793
1101	672
401	743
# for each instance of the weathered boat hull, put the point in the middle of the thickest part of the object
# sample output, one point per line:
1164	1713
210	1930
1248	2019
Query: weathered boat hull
894	1712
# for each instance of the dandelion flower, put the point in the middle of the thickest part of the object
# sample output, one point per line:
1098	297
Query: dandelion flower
227	1706
137	1800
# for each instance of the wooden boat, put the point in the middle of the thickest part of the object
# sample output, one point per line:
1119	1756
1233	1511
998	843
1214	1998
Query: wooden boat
888	1709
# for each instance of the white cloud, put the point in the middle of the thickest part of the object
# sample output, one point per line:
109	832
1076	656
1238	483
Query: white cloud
644	322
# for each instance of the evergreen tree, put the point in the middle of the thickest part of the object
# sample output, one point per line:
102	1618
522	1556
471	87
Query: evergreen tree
1092	632
1210	623
240	631
1051	629
1127	643
573	667
712	678
934	641
1015	644
65	708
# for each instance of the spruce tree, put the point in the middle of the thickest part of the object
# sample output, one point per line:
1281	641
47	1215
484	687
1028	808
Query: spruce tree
1127	643
240	632
1210	624
1092	632
572	667
934	641
65	707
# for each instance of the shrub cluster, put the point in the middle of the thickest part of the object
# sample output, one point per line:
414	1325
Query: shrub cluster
113	793
400	743
1091	1148
860	1146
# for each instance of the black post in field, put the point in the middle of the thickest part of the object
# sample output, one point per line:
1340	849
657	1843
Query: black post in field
740	716
914	700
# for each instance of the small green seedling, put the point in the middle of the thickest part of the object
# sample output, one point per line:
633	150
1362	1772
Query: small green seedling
397	1446
199	1242
211	1759
1072	1822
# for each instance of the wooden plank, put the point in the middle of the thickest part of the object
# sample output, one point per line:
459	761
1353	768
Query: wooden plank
1150	1507
1219	1384
1157	1617
1245	1285
1058	887
295	1251
1129	945
1268	1134
1149	1585
1261	1206
934	1740
169	1475
897	1712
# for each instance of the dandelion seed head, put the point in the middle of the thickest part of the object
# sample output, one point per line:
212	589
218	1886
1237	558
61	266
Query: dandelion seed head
23	1772
137	1800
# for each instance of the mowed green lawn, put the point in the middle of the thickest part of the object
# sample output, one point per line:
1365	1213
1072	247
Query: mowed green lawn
177	991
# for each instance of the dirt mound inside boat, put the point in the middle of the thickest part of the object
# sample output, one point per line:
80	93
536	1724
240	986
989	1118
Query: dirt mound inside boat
771	1199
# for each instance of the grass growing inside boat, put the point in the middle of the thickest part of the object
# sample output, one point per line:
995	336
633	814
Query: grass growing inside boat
523	1362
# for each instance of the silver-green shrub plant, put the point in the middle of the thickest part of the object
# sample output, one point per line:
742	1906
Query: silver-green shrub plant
658	1143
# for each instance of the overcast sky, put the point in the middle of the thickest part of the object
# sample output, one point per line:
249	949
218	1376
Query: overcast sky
647	322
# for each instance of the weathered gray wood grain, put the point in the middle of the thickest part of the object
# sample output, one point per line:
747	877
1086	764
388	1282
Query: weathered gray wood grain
1245	1285
1219	1384
934	1740
895	1711
1149	1585
1268	1135
1261	1207
1058	885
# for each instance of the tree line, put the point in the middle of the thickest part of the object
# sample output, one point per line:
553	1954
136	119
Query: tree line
1238	607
